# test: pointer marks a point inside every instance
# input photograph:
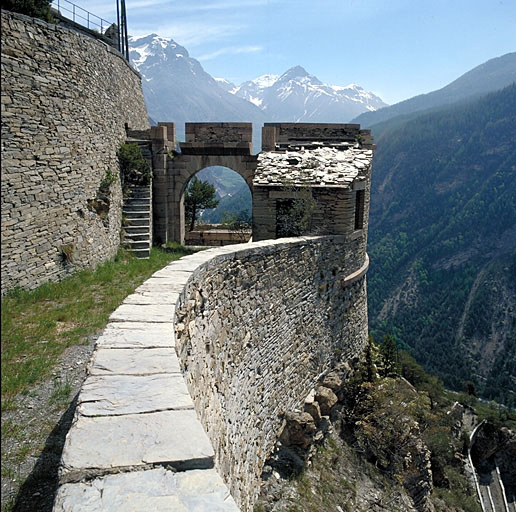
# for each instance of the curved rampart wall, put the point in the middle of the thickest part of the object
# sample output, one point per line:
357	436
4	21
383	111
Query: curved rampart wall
255	328
65	100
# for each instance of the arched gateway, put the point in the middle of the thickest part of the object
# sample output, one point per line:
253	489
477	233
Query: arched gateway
327	165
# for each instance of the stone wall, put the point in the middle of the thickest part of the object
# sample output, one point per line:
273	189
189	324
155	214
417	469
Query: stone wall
65	100
255	328
219	132
278	134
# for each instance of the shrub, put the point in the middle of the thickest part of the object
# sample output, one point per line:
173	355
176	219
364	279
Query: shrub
134	169
35	8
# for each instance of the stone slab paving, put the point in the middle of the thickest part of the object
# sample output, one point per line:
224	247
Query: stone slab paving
156	490
136	442
128	361
151	313
120	335
175	438
130	394
147	297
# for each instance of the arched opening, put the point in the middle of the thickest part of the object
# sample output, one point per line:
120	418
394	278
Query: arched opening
227	222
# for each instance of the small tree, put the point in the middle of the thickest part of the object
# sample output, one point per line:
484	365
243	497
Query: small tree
390	355
240	223
199	196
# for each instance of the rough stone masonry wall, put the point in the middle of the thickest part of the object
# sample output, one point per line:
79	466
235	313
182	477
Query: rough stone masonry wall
65	99
255	328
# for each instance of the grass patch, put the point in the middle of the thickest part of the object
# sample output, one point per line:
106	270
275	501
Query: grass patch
38	325
61	394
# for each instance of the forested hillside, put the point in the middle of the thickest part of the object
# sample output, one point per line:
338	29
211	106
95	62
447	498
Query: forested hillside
443	242
232	192
490	76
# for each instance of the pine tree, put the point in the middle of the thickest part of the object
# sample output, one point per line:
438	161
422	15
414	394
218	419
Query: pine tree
390	355
199	196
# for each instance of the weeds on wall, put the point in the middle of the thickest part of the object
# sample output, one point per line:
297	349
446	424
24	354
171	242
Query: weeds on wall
110	178
101	203
67	252
294	212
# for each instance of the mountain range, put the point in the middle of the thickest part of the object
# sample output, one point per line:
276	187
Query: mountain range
490	76
176	88
442	241
298	96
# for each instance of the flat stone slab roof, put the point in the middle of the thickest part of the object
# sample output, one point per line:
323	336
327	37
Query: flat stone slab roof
338	165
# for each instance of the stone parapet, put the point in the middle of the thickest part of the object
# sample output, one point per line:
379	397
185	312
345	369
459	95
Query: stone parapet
255	328
282	135
234	337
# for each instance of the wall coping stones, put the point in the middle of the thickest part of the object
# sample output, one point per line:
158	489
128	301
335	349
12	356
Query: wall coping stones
136	440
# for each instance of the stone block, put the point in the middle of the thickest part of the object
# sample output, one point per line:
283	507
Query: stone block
154	313
155	490
103	443
130	361
124	394
137	335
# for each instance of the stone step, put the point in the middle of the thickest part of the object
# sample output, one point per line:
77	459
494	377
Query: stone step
136	214
137	237
137	230
143	193
141	188
136	207
137	200
137	244
138	222
156	489
132	440
141	253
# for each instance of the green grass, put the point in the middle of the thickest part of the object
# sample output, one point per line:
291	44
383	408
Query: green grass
38	325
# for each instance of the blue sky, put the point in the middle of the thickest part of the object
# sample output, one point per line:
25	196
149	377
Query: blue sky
394	48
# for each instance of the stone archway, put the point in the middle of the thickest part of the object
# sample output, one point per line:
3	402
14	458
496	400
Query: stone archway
230	221
207	145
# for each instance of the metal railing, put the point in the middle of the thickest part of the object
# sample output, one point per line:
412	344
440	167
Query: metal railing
93	22
81	16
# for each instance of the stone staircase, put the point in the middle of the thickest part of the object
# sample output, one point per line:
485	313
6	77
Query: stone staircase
137	213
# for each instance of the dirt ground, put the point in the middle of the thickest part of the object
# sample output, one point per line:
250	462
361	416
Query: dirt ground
39	424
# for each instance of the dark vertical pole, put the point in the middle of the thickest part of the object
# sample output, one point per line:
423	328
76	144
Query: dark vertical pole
118	25
125	32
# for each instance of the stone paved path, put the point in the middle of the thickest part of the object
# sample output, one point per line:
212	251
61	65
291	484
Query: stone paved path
136	443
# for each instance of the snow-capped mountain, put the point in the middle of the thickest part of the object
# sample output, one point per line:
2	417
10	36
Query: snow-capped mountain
298	96
176	87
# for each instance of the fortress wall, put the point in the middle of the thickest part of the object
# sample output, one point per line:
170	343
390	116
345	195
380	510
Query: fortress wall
255	328
65	99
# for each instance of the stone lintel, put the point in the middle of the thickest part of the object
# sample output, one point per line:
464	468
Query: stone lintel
216	148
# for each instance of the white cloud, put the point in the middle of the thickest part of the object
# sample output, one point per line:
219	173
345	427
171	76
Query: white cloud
231	50
195	33
221	5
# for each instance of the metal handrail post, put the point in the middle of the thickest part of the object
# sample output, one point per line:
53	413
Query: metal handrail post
118	23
